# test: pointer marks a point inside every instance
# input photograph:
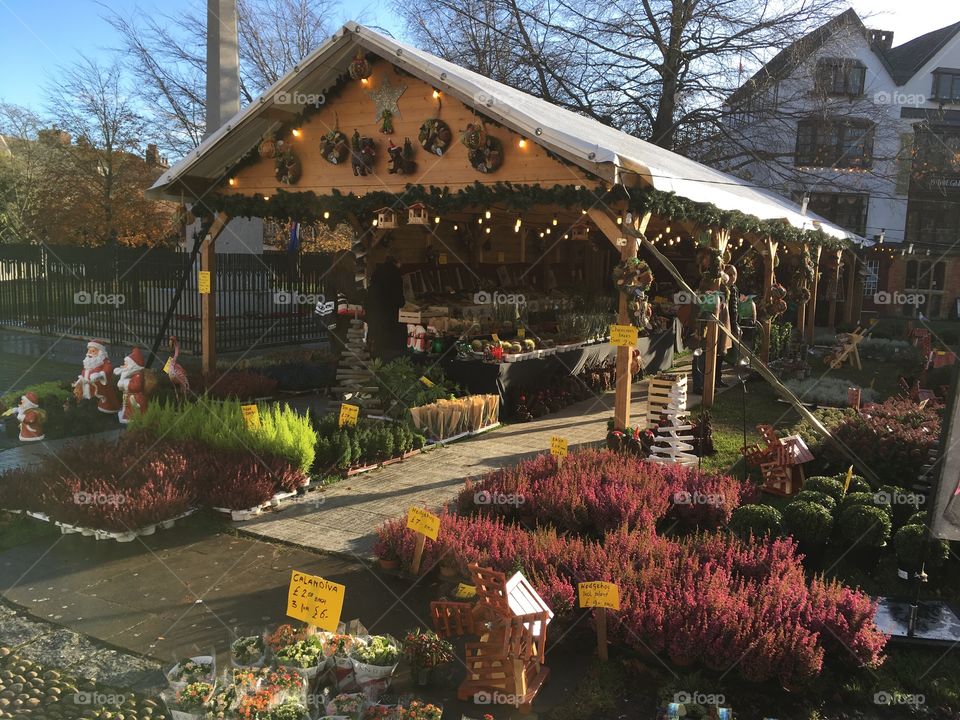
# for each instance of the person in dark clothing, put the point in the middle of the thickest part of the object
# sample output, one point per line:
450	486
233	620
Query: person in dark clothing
387	336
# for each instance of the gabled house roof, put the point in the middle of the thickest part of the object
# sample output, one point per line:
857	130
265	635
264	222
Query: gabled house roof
908	59
600	150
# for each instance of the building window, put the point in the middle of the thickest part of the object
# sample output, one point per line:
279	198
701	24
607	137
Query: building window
840	76
946	85
848	210
834	143
934	220
926	277
871	277
753	107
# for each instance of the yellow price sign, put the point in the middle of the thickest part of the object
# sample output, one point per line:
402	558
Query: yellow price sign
315	601
349	414
599	594
623	335
442	258
423	522
521	333
166	365
465	592
496	338
558	446
426	381
203	282
251	416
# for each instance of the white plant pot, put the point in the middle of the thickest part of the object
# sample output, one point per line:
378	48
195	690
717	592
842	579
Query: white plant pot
241	515
148	530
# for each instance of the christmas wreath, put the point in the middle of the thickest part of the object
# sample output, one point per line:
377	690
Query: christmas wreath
364	152
287	167
472	137
435	136
631	275
360	67
488	157
334	147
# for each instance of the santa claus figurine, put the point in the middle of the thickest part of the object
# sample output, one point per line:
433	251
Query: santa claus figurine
132	384
95	381
31	418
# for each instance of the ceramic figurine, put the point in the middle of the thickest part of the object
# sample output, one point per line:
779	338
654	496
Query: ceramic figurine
31	418
133	384
95	382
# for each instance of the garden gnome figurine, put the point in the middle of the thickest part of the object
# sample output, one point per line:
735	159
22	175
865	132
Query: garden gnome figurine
132	383
95	381
31	418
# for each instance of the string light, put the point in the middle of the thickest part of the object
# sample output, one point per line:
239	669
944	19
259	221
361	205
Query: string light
436	94
620	220
326	214
667	231
583	211
554	219
487	214
479	221
374	223
522	143
295	132
364	81
456	227
541	233
266	197
232	182
487	230
436	220
547	231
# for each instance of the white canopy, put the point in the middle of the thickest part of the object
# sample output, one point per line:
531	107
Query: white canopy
597	148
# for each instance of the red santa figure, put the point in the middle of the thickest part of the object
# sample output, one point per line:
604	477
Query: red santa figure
31	418
133	386
95	381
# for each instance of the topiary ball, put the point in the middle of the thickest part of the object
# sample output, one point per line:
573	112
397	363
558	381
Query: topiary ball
827	485
809	523
756	520
857	483
857	498
865	525
918	518
815	496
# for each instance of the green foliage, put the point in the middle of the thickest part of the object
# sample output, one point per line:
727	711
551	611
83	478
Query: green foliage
282	431
828	391
46	391
757	520
865	525
808	522
908	542
597	694
815	496
400	388
367	442
829	486
858	498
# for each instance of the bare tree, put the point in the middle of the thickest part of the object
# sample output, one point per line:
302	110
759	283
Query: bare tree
166	53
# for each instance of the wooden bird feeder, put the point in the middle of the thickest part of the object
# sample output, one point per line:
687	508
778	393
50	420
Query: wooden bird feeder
387	219
418	214
510	620
781	461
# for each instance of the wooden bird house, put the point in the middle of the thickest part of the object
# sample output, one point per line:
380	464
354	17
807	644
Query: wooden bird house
418	214
580	231
387	219
510	621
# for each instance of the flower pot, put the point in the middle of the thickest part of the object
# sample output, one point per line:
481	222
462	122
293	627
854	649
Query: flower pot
148	530
386	564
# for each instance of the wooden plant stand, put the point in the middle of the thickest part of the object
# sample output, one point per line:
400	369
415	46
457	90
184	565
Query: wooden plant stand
847	350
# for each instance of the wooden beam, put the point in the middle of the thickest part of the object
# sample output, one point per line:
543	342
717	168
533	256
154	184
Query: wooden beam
801	307
208	302
768	249
835	284
609	227
812	303
848	303
718	241
281	113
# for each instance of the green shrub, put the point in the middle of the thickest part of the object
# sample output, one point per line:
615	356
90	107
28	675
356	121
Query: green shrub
908	543
918	518
865	525
827	485
808	522
367	442
282	432
757	520
828	391
860	498
399	387
815	496
55	390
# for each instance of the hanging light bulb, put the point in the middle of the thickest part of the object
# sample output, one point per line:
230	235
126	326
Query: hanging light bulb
295	132
436	220
487	214
456	227
326	214
522	143
487	230
232	182
554	219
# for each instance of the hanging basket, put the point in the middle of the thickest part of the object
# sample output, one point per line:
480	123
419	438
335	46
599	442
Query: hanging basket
435	136
335	147
360	68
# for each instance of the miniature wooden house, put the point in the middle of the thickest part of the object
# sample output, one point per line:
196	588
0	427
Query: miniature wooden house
580	231
387	219
418	214
510	619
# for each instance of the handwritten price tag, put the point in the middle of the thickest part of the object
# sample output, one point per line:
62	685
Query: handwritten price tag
203	282
623	335
558	446
426	381
166	365
465	592
349	414
442	258
251	416
423	522
599	594
315	601
521	333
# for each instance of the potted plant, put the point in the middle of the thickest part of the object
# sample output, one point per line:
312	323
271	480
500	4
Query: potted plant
248	651
284	635
908	543
191	700
449	567
756	520
191	670
425	650
304	655
419	710
289	710
349	705
387	555
375	661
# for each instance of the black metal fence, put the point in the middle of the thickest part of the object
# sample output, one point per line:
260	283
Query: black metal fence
122	294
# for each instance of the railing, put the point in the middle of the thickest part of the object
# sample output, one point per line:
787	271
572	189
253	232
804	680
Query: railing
122	294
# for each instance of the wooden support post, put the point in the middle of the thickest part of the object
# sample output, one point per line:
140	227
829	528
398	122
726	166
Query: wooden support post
600	617
769	251
848	302
418	553
835	285
608	226
718	241
208	301
812	303
801	322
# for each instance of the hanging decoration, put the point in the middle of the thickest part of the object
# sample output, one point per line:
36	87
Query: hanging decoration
363	153
472	137
485	151
334	147
802	278
633	278
360	68
774	305
267	147
287	167
386	123
435	136
710	264
385	100
401	158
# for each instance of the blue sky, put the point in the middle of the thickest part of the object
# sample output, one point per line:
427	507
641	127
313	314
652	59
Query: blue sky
37	36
